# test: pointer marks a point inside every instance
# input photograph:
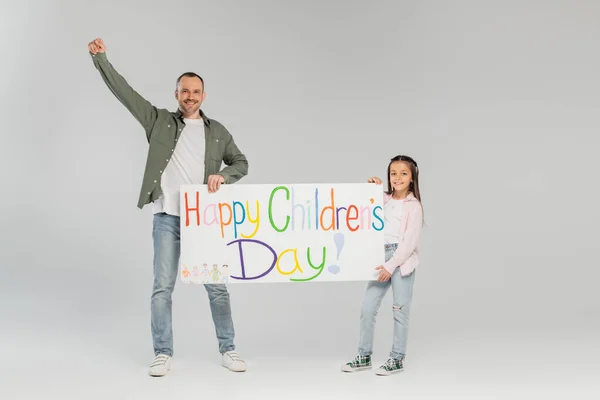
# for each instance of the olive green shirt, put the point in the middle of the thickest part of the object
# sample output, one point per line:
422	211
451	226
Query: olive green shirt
163	129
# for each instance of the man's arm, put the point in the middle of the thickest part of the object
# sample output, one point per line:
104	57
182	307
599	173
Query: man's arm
236	161
237	166
140	108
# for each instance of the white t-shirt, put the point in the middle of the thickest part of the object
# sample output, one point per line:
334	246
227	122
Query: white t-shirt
186	167
392	211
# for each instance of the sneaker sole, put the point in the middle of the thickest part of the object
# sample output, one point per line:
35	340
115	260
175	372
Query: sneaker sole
387	373
234	370
157	375
356	369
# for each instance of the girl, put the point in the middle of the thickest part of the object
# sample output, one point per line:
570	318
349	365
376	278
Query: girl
403	215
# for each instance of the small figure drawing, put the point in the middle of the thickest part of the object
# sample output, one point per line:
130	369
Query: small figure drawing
196	274
215	273
225	273
205	273
185	272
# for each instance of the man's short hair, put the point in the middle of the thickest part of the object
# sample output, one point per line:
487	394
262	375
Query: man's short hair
189	75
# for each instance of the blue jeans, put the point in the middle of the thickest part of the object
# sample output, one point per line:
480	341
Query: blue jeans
402	288
165	234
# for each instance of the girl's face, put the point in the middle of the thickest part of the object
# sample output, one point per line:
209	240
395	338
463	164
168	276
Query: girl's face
400	176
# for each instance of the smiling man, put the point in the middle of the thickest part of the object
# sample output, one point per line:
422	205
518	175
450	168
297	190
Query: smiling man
185	147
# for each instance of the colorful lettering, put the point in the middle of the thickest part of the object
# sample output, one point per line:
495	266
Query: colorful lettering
253	221
331	207
222	223
378	218
296	266
290	208
287	218
294	207
212	207
188	209
319	268
236	214
352	215
243	266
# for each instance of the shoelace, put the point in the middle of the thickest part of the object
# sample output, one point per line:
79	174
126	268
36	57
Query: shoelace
357	361
160	360
390	363
234	356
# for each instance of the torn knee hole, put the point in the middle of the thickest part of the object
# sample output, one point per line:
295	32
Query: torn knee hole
396	307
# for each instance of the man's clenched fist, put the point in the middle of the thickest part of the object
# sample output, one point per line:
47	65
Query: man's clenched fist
97	46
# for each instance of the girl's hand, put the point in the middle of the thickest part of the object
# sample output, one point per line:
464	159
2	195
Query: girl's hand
384	276
374	179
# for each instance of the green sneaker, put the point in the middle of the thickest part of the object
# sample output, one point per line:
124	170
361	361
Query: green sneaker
359	363
391	366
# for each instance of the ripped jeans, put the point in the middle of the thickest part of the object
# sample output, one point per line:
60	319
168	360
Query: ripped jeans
402	289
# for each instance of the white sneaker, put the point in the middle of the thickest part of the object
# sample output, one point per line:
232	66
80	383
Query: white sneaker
232	361
160	366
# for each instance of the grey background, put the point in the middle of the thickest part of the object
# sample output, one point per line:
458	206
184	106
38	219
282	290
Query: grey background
496	100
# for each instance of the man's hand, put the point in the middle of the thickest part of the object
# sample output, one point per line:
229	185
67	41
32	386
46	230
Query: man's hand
215	182
97	46
374	179
384	276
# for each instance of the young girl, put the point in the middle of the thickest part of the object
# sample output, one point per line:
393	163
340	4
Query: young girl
403	215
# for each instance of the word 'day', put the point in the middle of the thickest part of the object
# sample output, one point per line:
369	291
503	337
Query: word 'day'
281	233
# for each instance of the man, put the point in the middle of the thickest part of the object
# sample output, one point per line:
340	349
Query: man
186	147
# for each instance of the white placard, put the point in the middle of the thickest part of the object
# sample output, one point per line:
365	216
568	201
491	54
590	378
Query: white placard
281	233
